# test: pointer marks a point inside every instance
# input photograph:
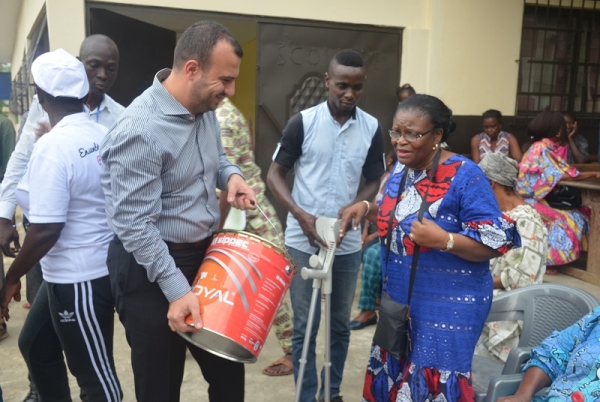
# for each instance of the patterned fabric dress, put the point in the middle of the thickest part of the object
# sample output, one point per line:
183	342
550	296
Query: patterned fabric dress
541	169
451	296
502	144
519	267
237	142
571	358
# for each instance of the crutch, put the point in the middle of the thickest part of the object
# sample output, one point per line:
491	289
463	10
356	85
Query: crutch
328	229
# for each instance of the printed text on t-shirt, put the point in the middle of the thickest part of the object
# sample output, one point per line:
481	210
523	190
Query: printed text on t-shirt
85	152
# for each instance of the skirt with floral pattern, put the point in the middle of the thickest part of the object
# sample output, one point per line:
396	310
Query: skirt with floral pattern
388	381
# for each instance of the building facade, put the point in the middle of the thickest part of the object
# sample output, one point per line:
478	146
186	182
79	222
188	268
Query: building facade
517	56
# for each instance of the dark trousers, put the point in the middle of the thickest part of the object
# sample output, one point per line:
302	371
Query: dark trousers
34	281
34	275
157	353
79	320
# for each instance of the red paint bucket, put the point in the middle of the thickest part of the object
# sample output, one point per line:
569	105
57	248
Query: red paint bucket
240	286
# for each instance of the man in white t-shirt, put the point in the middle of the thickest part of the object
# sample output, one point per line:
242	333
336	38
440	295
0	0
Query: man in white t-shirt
61	195
100	57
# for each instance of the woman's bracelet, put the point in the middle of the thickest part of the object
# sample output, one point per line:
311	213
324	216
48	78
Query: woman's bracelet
368	207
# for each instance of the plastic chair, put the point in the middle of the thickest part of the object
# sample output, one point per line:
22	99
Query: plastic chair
543	308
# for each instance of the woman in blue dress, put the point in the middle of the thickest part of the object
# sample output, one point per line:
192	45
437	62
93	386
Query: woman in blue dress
462	230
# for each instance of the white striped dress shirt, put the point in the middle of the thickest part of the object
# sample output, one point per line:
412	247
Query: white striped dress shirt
161	169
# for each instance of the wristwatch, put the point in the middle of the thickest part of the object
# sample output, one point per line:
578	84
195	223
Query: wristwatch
450	243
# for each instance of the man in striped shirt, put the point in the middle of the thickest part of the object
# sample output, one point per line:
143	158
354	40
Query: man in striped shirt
163	161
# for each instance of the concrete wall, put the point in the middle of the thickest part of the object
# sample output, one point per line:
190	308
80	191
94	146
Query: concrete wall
381	12
31	11
463	51
246	84
66	24
474	48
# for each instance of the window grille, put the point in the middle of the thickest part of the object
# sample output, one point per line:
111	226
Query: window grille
22	87
310	92
559	65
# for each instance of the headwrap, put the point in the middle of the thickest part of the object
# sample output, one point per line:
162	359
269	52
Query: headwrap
500	169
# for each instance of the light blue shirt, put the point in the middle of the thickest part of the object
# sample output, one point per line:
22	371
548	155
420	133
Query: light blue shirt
329	169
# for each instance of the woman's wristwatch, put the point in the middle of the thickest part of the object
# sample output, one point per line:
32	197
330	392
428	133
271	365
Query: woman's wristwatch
450	243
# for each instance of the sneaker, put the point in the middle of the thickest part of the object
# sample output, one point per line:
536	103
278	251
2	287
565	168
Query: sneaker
3	331
32	396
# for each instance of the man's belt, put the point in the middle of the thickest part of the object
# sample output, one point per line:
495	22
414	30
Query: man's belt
199	245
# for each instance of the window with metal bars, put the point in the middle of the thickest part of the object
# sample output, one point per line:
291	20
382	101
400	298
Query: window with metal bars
559	65
22	87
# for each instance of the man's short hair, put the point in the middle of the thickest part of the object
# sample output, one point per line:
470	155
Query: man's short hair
198	41
60	101
348	58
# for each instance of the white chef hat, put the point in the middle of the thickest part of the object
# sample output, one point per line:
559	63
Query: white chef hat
60	74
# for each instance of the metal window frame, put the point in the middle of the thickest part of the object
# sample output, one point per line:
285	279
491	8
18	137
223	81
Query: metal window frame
582	12
22	87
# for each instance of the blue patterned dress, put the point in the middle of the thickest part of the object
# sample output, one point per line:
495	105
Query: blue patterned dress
451	296
571	358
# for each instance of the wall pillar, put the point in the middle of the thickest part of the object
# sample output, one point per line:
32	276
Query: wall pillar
66	24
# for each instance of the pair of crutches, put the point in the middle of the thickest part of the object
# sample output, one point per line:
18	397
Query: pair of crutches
320	272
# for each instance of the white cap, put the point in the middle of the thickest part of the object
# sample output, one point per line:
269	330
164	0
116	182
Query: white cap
60	74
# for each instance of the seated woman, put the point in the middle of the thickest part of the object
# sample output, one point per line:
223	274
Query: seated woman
542	169
493	139
519	267
578	144
567	362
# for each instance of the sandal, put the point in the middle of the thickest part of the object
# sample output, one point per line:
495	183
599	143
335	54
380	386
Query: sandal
283	366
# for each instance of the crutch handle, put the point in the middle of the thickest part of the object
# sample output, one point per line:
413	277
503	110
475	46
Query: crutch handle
308	273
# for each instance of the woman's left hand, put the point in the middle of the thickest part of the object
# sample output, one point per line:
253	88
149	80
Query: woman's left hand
351	217
428	234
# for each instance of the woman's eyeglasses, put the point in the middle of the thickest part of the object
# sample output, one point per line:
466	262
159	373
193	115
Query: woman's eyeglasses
410	137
